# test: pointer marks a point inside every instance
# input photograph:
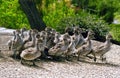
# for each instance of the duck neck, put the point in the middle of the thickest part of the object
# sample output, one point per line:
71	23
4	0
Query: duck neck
22	34
87	38
81	36
37	46
107	42
18	37
44	41
72	44
29	36
56	40
33	39
66	43
89	43
14	37
76	34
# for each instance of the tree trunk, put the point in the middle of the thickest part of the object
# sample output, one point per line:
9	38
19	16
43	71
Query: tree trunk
33	16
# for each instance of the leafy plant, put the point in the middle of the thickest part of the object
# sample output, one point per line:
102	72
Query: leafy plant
11	16
101	8
56	12
115	31
86	21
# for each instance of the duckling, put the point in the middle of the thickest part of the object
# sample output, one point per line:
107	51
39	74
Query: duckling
28	37
53	31
102	49
30	43
78	36
45	48
83	40
10	42
69	30
60	48
79	39
57	36
71	48
48	30
64	36
86	48
22	30
50	40
43	35
17	43
90	33
31	53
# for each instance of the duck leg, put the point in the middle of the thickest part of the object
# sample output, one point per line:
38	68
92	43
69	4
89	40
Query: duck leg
14	55
103	58
87	55
67	57
33	62
78	57
94	56
21	61
91	52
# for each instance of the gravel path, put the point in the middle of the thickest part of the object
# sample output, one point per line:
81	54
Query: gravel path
10	68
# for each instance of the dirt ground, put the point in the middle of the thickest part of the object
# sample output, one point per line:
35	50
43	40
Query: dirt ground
10	68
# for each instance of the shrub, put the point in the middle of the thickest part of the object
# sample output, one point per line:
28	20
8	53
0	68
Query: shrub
86	21
11	16
115	30
55	12
102	8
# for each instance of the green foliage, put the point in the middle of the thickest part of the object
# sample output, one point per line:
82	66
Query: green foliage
115	31
11	15
117	16
86	21
102	8
56	12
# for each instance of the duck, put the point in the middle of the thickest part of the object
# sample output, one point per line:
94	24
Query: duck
86	48
71	48
83	40
60	48
10	42
56	38
31	53
79	39
17	43
102	49
28	37
22	30
32	42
